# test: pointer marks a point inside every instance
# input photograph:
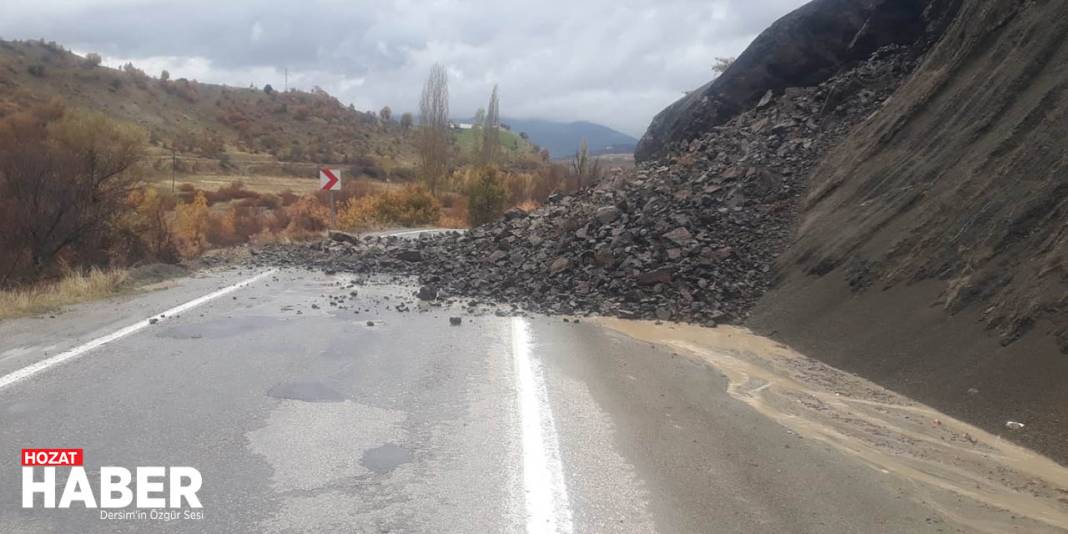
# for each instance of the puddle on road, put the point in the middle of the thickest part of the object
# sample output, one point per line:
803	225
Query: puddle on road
386	458
313	451
971	476
305	391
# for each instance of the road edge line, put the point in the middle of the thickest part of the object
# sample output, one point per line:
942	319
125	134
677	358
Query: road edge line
547	506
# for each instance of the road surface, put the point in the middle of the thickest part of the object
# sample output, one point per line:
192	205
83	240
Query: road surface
310	403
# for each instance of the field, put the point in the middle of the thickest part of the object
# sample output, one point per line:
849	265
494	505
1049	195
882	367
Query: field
258	183
469	141
612	161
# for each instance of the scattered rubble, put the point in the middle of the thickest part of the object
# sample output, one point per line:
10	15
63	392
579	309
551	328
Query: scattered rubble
690	238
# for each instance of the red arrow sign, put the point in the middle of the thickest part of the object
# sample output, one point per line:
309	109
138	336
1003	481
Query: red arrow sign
328	179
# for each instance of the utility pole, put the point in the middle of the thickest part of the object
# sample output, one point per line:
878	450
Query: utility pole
285	84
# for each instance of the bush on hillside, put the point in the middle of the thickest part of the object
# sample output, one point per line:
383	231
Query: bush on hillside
307	216
410	206
235	226
146	229
191	221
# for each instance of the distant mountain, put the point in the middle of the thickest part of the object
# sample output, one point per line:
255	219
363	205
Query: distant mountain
563	138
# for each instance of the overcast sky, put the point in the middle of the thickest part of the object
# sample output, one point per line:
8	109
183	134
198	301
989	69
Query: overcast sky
615	62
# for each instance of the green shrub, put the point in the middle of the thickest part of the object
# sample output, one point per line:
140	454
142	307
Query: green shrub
486	197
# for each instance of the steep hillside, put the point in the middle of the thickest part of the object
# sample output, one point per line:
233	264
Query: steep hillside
197	118
801	49
562	139
933	250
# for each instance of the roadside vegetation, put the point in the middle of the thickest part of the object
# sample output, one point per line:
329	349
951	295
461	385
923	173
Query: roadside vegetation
70	288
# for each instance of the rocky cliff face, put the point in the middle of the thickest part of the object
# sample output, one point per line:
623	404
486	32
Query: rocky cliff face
802	49
932	253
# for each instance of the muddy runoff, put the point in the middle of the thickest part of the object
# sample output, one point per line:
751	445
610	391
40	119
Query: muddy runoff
975	478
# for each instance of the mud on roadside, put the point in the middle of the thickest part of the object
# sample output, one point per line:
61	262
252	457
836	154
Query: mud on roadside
979	480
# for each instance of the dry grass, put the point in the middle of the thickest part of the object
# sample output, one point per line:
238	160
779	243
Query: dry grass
72	288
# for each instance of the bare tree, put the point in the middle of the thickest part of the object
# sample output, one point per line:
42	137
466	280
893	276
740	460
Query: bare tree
406	121
586	168
386	114
491	130
433	140
64	176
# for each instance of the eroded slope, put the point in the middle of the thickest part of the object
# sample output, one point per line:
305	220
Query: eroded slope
933	250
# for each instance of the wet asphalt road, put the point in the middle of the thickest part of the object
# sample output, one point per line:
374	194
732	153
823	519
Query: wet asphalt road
306	419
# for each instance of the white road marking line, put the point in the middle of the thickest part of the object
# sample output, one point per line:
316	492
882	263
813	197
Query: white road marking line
30	370
547	506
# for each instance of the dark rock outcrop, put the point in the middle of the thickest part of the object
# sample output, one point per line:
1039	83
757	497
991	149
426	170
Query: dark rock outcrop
933	241
802	49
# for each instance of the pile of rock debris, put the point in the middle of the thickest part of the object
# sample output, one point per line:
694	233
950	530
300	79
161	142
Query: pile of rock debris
691	238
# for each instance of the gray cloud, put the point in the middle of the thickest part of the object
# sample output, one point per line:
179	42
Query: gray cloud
616	62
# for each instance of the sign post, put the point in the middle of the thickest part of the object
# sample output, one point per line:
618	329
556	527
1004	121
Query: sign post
330	180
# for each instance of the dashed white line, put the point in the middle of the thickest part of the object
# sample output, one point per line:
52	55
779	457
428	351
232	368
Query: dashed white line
30	370
548	509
